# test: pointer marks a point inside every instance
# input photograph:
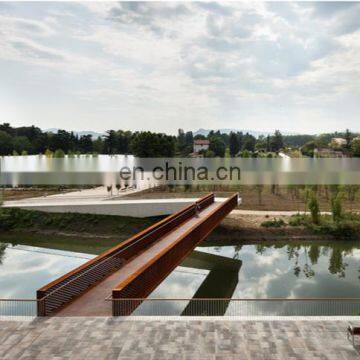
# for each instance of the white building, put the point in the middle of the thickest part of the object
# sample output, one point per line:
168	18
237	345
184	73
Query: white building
337	142
201	145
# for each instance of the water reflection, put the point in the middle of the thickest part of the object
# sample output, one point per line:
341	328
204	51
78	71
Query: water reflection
24	269
2	251
304	257
219	268
295	270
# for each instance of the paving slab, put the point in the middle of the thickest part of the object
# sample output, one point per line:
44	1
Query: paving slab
118	338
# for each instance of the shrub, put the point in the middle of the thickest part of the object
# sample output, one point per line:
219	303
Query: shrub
48	153
59	153
298	220
277	223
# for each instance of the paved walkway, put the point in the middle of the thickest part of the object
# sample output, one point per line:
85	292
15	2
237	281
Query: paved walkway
109	338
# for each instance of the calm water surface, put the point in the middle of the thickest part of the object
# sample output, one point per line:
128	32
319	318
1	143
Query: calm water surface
293	270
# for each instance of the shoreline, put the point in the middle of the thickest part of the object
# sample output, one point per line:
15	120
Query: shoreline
239	226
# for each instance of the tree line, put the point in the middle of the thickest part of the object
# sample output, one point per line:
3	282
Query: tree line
32	140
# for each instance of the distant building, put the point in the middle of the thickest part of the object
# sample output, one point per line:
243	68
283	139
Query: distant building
337	142
328	153
200	145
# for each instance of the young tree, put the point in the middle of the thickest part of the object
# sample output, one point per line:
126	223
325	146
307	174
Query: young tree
314	209
336	208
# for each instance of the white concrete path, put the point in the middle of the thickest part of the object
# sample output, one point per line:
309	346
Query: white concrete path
132	208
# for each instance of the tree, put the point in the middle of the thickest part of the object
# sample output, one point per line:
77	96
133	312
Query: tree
5	143
147	144
336	208
355	147
86	144
308	149
248	142
21	143
217	146
61	140
189	140
181	141
98	145
233	144
276	141
348	138
110	142
314	209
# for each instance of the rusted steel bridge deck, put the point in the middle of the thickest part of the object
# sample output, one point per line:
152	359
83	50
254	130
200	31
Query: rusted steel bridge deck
134	268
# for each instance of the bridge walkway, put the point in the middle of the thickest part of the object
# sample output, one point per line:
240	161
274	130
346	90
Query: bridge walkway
93	303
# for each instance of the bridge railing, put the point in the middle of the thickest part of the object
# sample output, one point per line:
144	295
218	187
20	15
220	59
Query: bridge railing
71	285
165	261
224	307
18	308
238	307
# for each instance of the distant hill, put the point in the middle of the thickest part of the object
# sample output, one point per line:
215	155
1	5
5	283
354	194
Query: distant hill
93	134
255	133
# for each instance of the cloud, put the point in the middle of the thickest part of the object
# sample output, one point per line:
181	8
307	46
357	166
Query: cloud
230	64
147	14
331	8
340	17
215	7
11	25
29	49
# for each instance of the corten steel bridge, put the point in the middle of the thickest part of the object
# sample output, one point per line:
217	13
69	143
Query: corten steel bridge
135	267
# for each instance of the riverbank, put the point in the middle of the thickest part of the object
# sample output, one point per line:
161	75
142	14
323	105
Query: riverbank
117	228
71	224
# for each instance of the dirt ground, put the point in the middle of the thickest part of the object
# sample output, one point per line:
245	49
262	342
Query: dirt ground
18	194
282	199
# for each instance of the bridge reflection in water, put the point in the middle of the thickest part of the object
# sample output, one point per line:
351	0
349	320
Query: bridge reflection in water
219	283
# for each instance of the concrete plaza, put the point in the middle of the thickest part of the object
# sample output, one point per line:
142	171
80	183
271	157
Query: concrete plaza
116	338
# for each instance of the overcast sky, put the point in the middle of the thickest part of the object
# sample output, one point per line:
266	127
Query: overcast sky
161	66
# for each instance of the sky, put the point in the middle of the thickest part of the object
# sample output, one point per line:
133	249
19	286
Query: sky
161	66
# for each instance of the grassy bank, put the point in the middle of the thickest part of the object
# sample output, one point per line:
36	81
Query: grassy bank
348	227
12	219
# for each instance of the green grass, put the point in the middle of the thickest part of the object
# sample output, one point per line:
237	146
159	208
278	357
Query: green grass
275	223
18	219
347	227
